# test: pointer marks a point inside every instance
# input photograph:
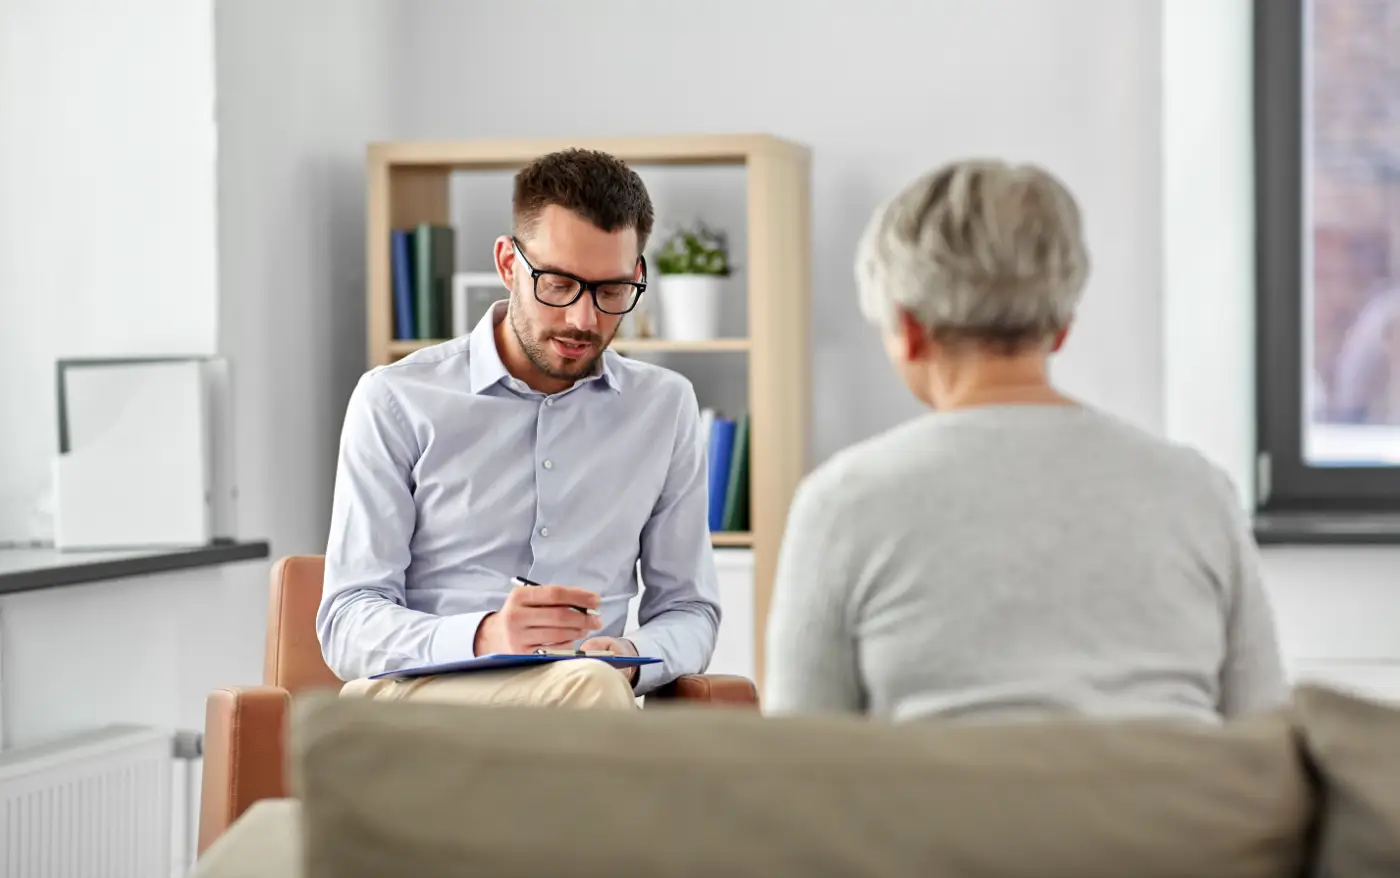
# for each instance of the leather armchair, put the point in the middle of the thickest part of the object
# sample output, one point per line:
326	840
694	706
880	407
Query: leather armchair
244	759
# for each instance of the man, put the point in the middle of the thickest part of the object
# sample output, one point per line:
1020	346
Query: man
527	449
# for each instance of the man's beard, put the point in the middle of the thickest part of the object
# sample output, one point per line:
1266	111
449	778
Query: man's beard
536	347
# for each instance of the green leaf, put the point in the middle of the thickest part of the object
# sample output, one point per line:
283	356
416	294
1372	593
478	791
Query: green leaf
694	249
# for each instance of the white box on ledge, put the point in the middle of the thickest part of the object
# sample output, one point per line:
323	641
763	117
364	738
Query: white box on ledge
145	454
734	647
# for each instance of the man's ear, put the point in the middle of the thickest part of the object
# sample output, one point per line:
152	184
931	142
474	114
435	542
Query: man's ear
505	260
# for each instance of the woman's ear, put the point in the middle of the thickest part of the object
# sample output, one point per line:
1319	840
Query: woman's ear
913	337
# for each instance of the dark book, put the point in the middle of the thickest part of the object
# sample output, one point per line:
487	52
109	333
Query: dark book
434	262
401	258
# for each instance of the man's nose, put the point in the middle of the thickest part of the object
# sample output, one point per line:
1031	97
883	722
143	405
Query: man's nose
582	314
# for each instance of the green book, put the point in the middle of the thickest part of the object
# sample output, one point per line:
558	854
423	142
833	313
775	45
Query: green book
736	495
434	262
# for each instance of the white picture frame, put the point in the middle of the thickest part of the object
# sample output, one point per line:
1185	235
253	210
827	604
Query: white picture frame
473	293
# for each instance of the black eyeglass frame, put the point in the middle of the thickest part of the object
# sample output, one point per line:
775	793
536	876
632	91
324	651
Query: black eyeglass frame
588	286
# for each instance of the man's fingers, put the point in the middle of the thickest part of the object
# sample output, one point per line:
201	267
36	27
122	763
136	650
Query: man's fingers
610	644
558	596
550	636
558	617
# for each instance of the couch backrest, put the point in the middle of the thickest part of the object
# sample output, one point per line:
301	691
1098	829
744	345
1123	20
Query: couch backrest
292	657
411	788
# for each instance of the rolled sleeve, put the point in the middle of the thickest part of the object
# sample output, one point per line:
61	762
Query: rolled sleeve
454	638
678	656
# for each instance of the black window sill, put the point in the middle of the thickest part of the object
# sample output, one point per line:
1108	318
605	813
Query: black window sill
1327	529
30	569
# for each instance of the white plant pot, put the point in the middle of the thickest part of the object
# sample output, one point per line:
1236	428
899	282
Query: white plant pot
689	306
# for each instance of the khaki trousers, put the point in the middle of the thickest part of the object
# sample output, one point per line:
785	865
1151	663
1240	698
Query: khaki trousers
572	683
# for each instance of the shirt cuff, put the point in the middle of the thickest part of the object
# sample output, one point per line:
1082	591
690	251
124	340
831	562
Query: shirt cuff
652	675
454	639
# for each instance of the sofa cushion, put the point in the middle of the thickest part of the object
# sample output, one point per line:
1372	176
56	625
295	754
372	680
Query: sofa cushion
265	842
1354	743
437	790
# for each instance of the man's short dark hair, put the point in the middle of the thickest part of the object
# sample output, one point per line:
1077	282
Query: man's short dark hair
595	185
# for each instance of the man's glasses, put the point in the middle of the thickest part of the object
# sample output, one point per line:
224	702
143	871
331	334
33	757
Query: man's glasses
559	290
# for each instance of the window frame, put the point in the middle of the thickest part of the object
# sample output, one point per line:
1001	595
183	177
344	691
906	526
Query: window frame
1285	483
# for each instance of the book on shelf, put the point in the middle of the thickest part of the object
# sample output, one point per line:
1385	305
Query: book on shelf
422	260
728	462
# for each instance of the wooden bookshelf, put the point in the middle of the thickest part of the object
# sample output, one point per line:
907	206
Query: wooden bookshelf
732	539
662	346
409	183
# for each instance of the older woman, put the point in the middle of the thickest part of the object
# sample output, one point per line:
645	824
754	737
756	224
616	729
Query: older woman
1012	553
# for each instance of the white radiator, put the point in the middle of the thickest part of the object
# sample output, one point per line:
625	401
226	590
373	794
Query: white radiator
111	803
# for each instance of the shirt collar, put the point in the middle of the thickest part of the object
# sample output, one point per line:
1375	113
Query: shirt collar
487	369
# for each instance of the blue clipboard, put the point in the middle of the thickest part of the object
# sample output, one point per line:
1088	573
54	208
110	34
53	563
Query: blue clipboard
496	661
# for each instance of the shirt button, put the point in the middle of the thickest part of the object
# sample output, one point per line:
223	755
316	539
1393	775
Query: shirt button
549	464
544	531
549	402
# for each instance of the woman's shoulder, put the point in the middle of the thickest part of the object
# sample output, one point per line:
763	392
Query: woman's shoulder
953	448
868	465
1174	460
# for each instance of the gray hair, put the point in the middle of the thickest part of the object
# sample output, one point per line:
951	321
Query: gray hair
976	250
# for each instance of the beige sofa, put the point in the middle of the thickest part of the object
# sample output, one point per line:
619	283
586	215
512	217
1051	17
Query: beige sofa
429	790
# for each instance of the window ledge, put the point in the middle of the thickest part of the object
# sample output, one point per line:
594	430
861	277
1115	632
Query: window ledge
30	569
1327	529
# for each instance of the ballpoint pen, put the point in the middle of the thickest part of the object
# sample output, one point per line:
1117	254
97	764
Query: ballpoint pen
520	580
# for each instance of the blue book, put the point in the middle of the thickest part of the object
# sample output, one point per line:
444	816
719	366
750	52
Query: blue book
496	661
721	458
401	256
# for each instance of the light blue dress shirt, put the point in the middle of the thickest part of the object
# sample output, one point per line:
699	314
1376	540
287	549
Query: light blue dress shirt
454	476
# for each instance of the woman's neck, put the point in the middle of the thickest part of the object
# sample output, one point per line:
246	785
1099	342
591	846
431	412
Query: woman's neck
980	379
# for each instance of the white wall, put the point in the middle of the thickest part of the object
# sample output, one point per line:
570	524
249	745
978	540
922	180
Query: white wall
1335	605
107	214
1208	230
881	90
299	89
302	88
107	247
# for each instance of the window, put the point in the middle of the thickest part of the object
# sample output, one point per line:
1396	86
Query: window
1327	189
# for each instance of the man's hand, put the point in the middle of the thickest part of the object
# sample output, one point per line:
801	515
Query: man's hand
536	616
616	646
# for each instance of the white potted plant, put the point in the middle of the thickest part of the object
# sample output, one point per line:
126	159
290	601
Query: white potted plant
692	266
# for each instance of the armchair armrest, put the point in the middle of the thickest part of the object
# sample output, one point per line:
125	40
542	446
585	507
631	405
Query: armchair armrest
244	759
718	689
